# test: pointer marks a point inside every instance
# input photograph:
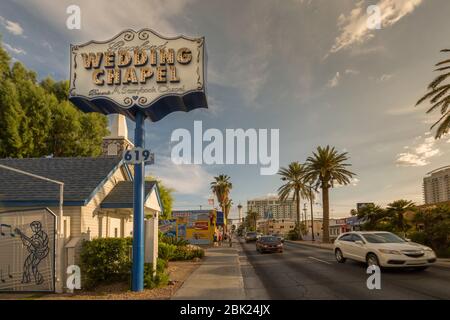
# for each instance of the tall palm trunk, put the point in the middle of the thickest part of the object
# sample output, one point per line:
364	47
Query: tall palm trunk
224	219
326	215
297	196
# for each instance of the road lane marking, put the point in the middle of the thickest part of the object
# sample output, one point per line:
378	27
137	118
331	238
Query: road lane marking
319	260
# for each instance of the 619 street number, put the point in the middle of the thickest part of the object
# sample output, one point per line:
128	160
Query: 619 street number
138	155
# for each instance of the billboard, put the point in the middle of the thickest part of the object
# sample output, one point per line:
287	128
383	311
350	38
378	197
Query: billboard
136	70
196	226
27	250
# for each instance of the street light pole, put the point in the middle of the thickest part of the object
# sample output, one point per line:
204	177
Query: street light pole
312	214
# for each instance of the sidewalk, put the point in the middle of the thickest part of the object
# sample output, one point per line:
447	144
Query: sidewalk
329	246
218	278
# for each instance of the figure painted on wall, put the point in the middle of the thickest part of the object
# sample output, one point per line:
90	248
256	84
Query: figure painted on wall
37	246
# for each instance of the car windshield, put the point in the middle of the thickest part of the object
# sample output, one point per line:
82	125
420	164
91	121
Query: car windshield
383	237
269	239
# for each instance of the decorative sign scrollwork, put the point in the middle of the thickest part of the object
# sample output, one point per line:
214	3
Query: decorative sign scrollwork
128	35
144	35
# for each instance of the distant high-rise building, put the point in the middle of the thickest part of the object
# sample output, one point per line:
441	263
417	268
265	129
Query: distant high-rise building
436	186
272	208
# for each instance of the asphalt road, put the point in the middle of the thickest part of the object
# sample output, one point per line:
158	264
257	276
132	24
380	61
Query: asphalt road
304	272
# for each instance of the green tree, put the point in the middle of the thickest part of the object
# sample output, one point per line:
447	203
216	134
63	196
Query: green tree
294	186
371	214
166	197
433	228
5	60
221	187
395	211
37	119
326	168
252	217
439	96
11	117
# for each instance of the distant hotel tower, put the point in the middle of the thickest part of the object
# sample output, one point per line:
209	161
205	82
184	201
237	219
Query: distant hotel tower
272	208
436	186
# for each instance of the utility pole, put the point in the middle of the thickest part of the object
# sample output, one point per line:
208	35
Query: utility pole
312	214
304	218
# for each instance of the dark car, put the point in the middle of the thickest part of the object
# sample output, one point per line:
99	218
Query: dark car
269	244
251	236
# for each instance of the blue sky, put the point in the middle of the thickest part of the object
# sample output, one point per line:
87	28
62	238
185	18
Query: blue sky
310	68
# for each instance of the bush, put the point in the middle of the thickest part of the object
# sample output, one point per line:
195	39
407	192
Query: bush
293	235
161	278
166	251
188	253
443	253
174	241
419	237
105	260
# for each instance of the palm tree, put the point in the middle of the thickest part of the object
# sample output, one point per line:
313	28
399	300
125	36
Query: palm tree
325	168
221	187
252	217
439	95
294	186
370	214
396	212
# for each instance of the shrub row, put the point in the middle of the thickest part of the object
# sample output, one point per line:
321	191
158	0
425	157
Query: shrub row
107	260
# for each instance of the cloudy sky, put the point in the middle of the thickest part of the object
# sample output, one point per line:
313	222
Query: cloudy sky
311	68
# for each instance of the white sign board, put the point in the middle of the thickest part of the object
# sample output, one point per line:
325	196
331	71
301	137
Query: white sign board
137	68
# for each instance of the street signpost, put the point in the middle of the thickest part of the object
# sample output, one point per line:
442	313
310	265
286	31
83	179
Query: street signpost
142	75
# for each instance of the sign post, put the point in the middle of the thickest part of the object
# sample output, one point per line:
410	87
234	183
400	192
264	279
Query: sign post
142	75
137	281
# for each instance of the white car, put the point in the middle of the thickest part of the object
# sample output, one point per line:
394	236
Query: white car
383	249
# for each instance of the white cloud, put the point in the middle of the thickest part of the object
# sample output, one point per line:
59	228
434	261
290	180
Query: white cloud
153	14
334	81
419	154
184	179
47	45
13	49
385	77
353	27
13	27
401	111
353	182
351	71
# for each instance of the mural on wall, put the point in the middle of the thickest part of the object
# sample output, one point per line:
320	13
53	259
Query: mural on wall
27	250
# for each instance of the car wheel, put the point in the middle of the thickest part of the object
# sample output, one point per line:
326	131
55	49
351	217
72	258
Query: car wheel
339	256
372	260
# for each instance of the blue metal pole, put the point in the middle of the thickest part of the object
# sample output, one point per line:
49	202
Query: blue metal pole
137	282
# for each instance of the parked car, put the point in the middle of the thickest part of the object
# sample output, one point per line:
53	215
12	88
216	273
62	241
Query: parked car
269	244
250	236
383	249
280	237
